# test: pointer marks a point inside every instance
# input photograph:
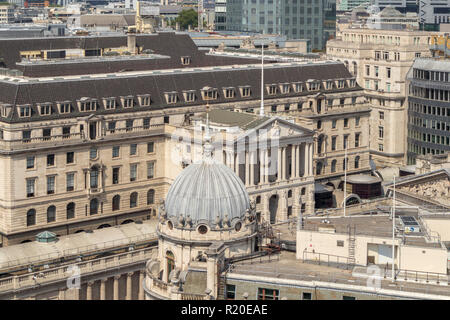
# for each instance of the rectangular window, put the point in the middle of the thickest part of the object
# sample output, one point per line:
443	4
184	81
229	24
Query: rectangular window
345	141
340	243
333	124
46	133
129	124
111	126
150	170
133	172
380	147
26	135
230	292
146	123
346	123
30	187
150	147
357	136
333	143
51	185
357	121
30	162
115	175
116	151
306	296
388	72
50	160
380	132
348	298
267	294
133	149
70	178
110	103
70	157
381	113
66	132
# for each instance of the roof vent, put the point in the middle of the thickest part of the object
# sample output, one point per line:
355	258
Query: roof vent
46	236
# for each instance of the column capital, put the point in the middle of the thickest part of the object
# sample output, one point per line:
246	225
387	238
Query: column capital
90	283
104	280
117	277
130	274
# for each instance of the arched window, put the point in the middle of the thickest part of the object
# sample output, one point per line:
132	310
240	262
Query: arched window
150	196
51	214
93	206
133	199
116	202
70	211
320	144
345	164
357	162
170	262
94	177
333	165
31	217
319	168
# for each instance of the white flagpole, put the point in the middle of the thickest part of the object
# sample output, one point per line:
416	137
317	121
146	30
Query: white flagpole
261	109
345	178
393	234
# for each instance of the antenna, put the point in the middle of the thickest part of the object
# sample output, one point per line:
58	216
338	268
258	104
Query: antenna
261	110
393	233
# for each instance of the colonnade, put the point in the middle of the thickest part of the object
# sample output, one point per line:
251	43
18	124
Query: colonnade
128	291
248	163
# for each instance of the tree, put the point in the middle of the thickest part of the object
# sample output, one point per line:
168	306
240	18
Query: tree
187	18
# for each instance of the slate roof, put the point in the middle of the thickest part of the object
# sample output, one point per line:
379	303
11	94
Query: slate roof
166	43
157	83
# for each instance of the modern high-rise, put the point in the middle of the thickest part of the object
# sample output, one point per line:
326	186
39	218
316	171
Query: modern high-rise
295	19
428	108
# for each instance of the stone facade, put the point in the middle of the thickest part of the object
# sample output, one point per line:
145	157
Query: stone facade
380	60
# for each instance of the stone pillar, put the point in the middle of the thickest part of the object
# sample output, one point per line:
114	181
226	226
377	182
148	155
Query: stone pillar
247	169
293	157
266	165
252	168
265	212
307	160
297	161
279	162
262	158
141	285
282	206
283	164
103	289
116	287
129	286
89	290
311	154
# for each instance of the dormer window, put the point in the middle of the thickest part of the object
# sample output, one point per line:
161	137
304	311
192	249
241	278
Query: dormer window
144	100
24	111
86	104
245	91
298	87
5	110
329	85
65	107
171	97
109	103
45	109
271	89
127	102
285	88
228	93
209	94
189	96
352	83
340	84
185	61
313	86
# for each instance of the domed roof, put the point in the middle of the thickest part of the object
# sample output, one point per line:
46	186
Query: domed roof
207	190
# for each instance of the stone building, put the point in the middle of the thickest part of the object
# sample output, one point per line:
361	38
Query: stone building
84	138
380	60
428	108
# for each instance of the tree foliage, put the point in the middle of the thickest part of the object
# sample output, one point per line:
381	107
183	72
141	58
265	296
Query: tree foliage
187	18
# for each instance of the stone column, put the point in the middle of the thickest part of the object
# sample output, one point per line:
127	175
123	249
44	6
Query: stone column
297	161
262	158
247	168
129	285
103	289
89	290
141	285
283	164
265	212
293	157
311	154
252	168
116	287
307	160
279	162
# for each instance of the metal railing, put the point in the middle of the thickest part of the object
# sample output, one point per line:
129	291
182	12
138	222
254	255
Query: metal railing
326	259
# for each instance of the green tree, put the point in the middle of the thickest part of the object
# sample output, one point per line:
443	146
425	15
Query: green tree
187	18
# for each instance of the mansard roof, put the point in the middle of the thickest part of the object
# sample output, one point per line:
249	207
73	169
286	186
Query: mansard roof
157	84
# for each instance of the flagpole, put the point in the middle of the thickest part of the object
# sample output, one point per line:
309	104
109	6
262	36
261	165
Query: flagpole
393	234
345	178
261	109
